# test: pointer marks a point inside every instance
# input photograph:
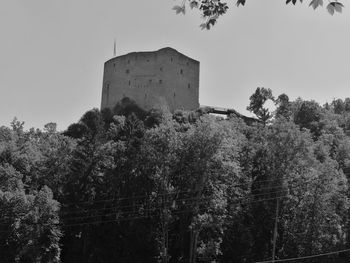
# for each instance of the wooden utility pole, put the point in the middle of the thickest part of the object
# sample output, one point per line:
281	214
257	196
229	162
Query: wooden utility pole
164	226
275	232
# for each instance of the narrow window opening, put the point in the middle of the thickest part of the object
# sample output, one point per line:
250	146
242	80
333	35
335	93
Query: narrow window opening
147	60
187	64
129	82
189	85
107	91
160	81
113	64
128	61
181	71
161	69
171	59
150	81
174	94
127	71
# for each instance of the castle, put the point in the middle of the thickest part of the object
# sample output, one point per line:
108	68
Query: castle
152	79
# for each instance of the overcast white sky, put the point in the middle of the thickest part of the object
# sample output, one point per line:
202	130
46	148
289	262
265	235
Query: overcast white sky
52	52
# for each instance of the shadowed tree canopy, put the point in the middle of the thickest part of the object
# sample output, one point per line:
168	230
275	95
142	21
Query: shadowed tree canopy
308	116
212	9
283	107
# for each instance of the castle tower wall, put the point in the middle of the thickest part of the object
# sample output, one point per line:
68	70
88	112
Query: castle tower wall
152	79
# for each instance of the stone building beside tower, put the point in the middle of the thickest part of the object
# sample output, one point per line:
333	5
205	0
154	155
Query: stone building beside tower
152	79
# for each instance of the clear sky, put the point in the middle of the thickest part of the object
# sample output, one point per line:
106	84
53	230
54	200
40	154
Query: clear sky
52	52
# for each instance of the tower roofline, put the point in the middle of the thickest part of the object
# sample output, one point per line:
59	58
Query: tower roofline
151	52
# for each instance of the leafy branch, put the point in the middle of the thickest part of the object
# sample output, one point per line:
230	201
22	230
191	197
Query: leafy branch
212	9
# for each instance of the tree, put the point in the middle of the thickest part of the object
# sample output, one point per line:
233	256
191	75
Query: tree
30	227
338	106
308	116
283	164
257	101
212	9
283	107
184	188
29	213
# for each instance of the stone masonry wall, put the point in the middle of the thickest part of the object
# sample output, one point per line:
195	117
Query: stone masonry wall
153	79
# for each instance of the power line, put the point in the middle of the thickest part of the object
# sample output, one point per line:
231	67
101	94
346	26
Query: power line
149	211
135	216
169	202
176	211
105	202
128	198
305	257
136	208
164	194
91	202
148	216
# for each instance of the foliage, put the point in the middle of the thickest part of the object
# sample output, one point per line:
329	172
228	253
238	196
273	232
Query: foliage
284	109
308	116
211	10
151	186
30	163
257	101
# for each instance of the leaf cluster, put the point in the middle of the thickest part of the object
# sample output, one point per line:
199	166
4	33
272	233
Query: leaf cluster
211	10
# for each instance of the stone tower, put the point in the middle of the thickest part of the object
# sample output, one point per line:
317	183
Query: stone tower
152	79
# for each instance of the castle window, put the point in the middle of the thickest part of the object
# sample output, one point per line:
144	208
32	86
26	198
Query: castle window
113	64
107	91
127	71
161	69
129	61
171	59
174	94
147	60
181	71
160	81
189	85
150	81
129	82
145	95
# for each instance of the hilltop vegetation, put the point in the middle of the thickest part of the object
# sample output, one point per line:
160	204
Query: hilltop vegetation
135	186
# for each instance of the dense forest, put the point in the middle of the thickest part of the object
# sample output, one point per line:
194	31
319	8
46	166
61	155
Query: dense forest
128	185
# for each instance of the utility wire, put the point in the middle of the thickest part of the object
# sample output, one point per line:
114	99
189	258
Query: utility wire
153	211
141	206
182	192
82	210
136	209
149	215
168	202
91	202
305	257
155	199
164	194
